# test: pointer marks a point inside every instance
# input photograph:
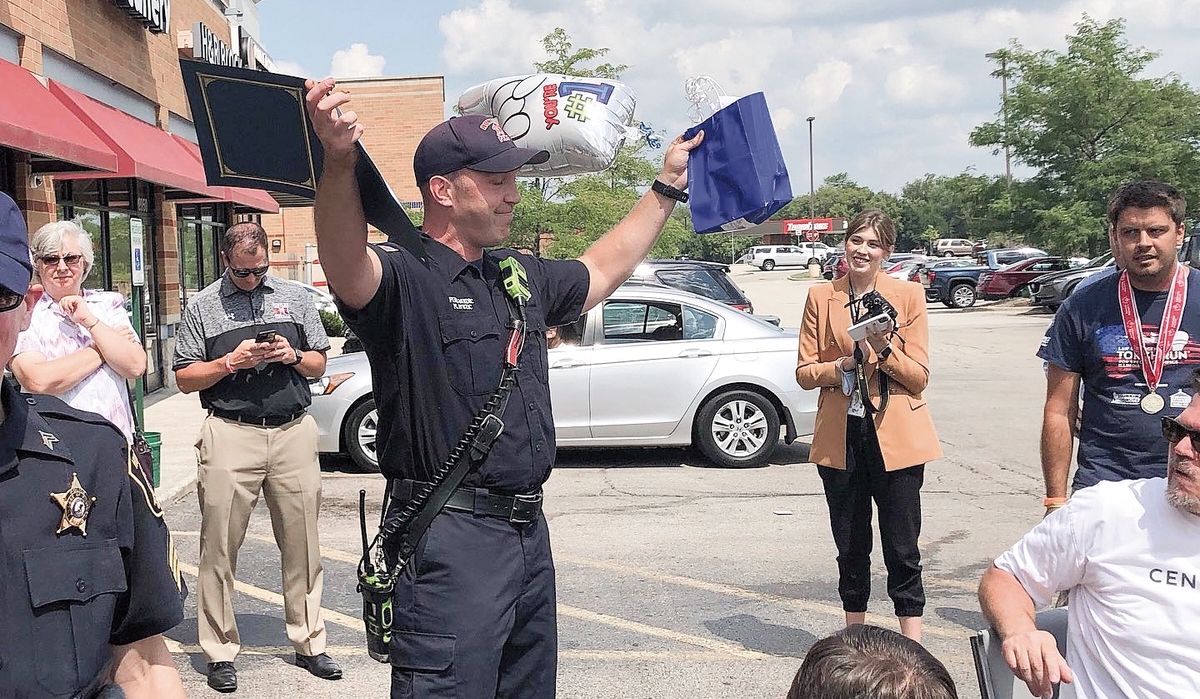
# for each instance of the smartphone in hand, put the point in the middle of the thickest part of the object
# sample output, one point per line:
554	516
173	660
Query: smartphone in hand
265	337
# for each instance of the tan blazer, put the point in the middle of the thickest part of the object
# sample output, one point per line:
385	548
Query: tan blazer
905	428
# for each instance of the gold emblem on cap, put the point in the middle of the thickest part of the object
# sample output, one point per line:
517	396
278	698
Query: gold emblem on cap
76	505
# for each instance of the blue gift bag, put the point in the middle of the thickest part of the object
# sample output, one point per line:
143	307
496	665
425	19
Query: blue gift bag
737	177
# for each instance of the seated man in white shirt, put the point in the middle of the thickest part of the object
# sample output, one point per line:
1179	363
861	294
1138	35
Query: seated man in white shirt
1128	553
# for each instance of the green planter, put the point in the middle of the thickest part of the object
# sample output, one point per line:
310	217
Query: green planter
154	441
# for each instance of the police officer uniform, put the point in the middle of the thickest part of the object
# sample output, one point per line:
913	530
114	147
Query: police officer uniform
475	611
87	559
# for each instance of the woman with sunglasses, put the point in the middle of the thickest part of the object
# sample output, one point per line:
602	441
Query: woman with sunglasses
80	345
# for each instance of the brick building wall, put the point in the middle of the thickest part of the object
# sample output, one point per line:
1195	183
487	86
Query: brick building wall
395	113
99	35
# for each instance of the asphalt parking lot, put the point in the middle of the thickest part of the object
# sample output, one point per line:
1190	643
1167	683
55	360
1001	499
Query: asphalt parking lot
677	579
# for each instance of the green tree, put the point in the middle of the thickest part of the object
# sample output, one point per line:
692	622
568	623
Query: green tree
566	59
1088	119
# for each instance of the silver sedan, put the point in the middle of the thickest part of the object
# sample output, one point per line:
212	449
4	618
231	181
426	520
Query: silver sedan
652	366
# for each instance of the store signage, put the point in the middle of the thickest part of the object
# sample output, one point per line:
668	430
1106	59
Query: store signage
210	49
155	14
253	54
137	252
802	225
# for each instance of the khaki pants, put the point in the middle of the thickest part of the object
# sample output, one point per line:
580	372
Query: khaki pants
236	462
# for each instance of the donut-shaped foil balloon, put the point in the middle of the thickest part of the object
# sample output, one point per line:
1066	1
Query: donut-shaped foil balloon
581	122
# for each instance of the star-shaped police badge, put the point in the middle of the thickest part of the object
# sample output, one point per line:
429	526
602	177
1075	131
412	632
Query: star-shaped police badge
76	505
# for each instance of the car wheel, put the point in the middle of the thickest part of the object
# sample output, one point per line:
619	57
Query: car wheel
768	265
358	434
1022	292
947	254
737	429
962	296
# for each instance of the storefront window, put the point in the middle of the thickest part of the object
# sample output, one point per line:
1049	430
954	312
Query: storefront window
200	229
8	176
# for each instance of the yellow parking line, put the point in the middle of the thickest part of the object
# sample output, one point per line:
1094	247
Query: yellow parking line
617	622
742	593
353	651
277	599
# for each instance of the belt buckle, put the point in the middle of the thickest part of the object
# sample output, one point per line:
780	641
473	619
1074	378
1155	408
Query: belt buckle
528	514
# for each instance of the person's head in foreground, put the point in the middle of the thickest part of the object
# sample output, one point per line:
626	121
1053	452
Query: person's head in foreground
868	661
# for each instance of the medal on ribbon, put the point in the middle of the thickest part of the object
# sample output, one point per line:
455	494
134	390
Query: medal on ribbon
1152	366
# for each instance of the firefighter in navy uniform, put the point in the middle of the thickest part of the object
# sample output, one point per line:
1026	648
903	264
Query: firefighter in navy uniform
474	611
90	581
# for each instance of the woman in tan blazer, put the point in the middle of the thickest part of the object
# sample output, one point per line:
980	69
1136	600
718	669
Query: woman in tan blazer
874	446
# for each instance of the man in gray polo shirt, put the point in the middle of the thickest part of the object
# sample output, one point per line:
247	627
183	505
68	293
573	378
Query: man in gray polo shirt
248	343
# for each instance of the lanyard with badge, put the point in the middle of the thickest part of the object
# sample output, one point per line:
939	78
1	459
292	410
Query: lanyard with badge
1152	366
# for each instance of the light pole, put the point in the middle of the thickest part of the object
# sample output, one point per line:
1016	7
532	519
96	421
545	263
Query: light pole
812	202
1004	111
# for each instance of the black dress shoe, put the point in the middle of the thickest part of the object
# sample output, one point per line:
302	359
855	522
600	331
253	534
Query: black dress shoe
222	676
321	665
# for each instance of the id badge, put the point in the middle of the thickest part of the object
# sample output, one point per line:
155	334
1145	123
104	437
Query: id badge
856	409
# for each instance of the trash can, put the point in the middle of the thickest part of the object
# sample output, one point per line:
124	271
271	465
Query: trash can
814	268
154	441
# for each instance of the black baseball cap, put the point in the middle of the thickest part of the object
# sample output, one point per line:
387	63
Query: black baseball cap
15	266
473	142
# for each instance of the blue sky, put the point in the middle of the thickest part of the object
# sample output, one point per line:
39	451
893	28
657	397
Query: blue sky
895	86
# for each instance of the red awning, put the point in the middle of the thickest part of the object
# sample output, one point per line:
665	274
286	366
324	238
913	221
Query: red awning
255	199
32	120
143	151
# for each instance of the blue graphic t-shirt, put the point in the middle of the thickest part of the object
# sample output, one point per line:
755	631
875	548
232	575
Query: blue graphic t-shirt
1117	440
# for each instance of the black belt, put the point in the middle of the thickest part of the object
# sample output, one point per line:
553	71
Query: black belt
268	421
518	509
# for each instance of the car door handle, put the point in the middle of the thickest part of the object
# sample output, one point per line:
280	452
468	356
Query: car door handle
695	352
566	364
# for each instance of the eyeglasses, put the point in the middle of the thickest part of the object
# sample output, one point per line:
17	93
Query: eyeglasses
53	260
9	299
1175	432
243	273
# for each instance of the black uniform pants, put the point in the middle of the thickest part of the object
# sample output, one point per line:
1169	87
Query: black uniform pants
897	494
478	617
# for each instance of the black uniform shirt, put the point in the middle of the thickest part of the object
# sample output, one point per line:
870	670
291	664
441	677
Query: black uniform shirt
221	316
435	335
65	597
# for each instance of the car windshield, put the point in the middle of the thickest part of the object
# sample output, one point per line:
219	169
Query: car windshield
703	282
1100	260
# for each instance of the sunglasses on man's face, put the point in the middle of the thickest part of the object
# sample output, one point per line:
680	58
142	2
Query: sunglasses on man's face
53	260
243	273
1174	431
9	299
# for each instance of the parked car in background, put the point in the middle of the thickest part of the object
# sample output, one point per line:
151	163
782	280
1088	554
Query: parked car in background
1014	279
907	270
652	366
955	286
835	265
321	297
1050	290
939	263
709	279
952	247
768	257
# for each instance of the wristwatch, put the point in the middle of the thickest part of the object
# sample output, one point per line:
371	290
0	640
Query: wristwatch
299	358
885	352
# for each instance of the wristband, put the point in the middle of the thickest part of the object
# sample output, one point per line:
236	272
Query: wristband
668	191
228	366
1054	502
94	324
299	358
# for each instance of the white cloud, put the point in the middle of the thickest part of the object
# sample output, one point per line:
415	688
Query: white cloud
293	68
896	87
356	62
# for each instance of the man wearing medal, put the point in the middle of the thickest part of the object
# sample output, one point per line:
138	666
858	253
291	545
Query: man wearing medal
1128	344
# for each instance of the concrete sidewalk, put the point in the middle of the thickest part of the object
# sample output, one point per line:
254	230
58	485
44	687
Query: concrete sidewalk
177	418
